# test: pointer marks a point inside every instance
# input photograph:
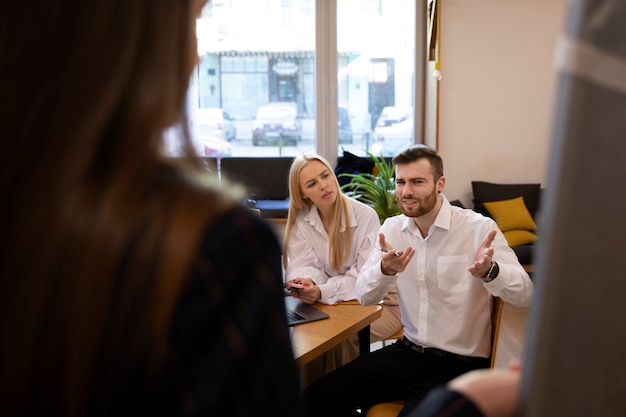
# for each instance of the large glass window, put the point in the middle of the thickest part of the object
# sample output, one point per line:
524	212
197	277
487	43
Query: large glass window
376	59
257	66
254	91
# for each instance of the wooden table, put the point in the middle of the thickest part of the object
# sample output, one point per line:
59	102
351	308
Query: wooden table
310	340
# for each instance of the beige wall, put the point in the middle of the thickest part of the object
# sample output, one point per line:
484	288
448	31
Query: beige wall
496	97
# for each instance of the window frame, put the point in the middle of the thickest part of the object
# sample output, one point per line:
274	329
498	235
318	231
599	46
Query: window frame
326	80
326	76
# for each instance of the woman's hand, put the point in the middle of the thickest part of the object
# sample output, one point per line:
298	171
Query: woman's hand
304	289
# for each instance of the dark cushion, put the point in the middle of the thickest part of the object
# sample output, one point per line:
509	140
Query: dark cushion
266	178
350	163
457	203
486	191
524	253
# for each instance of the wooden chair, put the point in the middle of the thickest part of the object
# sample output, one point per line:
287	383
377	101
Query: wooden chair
397	335
392	408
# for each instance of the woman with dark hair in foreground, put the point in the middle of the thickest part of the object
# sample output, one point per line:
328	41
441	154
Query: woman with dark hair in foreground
129	285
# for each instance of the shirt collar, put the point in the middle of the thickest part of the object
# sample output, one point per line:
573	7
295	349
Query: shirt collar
444	218
313	217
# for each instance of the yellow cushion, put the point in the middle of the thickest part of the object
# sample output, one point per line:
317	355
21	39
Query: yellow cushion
519	237
511	214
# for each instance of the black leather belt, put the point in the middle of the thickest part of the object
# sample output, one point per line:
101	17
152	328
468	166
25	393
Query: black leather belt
482	362
422	349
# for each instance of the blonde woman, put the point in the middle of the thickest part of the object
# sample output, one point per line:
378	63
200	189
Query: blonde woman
328	238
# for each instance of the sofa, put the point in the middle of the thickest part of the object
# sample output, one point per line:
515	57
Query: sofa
515	208
265	179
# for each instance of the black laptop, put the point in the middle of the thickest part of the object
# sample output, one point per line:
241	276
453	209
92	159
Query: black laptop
299	312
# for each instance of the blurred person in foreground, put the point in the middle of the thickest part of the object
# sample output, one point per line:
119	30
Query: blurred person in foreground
328	238
129	285
446	263
478	393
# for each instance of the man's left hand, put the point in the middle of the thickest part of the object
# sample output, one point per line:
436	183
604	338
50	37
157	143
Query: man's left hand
484	255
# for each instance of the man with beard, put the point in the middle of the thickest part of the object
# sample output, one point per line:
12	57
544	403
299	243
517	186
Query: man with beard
447	263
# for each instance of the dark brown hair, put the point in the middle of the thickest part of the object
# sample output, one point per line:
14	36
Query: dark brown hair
417	152
99	229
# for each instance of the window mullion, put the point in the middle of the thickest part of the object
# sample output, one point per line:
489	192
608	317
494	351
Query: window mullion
326	78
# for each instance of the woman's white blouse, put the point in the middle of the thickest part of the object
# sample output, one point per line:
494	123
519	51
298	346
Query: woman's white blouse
308	250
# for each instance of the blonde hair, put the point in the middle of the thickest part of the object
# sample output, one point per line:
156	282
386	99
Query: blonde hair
339	247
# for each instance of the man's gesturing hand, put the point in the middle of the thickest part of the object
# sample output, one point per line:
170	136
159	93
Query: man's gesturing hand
393	262
484	255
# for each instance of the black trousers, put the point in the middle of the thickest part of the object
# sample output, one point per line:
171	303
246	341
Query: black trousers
394	372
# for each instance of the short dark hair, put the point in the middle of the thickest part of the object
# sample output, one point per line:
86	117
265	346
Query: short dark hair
416	152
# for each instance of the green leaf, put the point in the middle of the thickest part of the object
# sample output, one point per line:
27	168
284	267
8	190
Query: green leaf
377	191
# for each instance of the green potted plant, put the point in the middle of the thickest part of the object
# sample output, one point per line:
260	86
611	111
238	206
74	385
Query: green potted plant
376	190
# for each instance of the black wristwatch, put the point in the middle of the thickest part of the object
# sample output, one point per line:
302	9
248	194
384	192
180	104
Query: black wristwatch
492	273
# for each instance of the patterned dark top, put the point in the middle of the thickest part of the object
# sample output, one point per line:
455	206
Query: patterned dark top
233	354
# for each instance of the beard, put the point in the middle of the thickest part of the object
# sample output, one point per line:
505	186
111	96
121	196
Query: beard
422	206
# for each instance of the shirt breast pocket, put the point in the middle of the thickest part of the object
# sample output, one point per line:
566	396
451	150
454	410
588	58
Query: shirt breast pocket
452	273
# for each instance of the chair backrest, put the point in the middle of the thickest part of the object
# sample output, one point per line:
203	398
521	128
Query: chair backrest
509	339
496	318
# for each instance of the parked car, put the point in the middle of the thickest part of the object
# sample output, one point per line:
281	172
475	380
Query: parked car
400	130
344	128
215	122
210	145
276	123
393	131
392	115
389	140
